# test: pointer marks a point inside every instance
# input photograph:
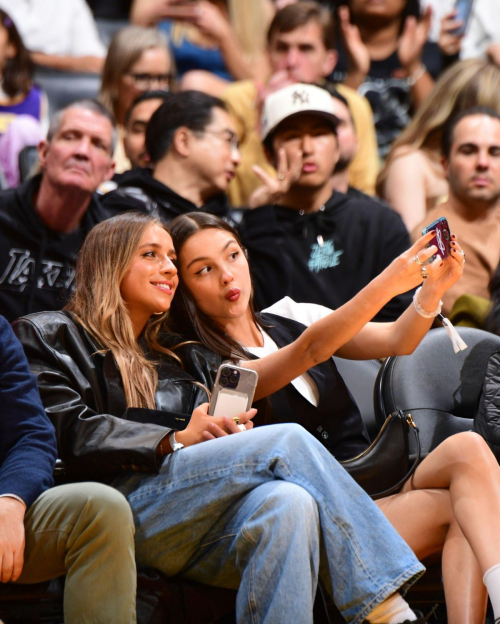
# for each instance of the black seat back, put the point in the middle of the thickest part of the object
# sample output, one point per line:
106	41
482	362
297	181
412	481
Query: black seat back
63	88
28	160
360	377
439	388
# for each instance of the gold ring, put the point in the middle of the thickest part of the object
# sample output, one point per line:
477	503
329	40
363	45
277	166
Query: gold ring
425	275
418	261
281	176
236	420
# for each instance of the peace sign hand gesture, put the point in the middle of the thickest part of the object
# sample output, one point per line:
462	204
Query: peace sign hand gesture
273	189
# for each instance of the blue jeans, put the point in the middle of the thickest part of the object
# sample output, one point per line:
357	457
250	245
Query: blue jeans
266	511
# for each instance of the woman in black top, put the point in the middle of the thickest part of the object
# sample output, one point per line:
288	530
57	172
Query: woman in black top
384	53
214	307
256	512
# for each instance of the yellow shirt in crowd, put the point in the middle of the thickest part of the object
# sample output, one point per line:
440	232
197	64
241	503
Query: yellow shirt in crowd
241	99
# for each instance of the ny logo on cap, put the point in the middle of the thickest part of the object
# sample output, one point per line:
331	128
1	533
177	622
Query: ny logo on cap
300	96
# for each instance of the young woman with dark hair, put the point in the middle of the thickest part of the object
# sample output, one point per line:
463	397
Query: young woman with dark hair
453	499
23	105
384	53
18	95
261	511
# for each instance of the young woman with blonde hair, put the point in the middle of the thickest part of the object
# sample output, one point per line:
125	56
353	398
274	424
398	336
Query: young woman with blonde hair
257	511
138	60
412	180
213	41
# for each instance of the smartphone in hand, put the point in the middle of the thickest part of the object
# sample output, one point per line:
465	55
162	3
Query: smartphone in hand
233	390
441	239
463	9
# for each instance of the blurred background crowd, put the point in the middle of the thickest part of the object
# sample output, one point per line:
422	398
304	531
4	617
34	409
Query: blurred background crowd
398	72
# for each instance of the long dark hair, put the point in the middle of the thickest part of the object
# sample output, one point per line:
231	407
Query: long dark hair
412	8
185	317
18	71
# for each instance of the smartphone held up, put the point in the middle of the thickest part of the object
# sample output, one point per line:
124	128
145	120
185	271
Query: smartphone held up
463	9
441	239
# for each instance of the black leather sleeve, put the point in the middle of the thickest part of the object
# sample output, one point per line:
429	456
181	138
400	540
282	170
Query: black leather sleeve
89	442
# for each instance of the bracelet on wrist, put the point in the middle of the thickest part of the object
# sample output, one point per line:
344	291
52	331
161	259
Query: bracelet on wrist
415	76
422	311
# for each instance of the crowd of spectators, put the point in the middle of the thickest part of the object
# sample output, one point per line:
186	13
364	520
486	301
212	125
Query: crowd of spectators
328	134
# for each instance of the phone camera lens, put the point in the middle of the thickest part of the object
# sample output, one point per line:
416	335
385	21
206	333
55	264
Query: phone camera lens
224	381
446	235
233	379
225	372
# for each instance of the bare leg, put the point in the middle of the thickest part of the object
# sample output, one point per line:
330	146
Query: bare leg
424	518
466	595
464	465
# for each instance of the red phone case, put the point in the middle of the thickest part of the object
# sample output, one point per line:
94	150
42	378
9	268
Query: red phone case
442	238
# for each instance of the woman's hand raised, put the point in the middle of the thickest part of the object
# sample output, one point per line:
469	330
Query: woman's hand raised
204	427
404	272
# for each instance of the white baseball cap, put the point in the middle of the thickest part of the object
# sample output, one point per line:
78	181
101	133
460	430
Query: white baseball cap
294	100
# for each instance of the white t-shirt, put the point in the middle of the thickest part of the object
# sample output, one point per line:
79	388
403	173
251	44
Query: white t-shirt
307	314
440	8
483	29
60	27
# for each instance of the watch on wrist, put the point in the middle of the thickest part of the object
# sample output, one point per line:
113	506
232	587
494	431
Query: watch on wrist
173	442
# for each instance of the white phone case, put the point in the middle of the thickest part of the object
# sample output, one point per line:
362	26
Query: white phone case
234	394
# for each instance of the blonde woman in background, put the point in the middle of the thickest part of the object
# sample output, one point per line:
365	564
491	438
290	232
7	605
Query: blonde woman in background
213	41
412	179
138	60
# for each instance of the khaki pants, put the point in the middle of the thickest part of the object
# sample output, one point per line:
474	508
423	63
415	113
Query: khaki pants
86	531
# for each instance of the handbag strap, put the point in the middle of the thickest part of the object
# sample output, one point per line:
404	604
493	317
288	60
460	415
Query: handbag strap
407	418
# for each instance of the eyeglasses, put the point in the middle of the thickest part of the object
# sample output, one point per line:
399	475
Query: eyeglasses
145	81
228	136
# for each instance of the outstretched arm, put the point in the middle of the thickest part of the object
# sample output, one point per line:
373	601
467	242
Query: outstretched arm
326	337
378	340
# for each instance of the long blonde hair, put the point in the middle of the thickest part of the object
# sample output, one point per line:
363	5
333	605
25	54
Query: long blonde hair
125	48
98	305
465	84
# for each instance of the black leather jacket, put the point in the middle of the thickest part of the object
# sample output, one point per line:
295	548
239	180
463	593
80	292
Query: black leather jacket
82	392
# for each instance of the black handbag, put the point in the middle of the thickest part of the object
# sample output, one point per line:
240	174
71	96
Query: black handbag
384	467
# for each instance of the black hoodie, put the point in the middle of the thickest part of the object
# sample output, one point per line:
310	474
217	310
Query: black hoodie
324	257
138	190
36	263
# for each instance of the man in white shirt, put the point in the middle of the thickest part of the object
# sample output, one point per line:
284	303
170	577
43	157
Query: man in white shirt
61	34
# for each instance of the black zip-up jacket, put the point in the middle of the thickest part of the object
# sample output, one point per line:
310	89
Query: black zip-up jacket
36	263
324	257
81	389
138	190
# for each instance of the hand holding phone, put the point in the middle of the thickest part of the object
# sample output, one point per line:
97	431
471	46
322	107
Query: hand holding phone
441	239
202	426
463	9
